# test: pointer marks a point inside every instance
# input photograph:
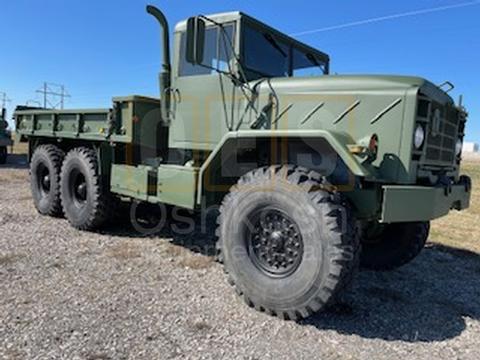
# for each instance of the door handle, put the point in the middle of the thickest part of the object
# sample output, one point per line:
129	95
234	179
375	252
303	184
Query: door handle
175	93
177	97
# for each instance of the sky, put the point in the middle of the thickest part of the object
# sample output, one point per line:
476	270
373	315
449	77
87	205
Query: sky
100	49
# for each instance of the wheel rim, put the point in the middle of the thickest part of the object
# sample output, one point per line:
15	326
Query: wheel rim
78	188
275	244
43	179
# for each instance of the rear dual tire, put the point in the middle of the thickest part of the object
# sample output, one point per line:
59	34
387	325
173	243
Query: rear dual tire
87	205
45	168
70	185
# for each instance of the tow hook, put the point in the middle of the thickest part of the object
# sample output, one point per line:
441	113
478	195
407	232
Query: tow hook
446	183
467	182
448	189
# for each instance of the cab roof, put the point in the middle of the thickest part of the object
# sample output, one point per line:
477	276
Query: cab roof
236	15
220	18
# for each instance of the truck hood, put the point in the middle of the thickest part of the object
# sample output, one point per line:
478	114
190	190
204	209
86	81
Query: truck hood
355	107
352	84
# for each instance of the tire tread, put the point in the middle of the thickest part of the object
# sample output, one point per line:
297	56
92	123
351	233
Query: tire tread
327	202
56	156
102	202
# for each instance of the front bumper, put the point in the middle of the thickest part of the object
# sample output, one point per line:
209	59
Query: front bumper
402	203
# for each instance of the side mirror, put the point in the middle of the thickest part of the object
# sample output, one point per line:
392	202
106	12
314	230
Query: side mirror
195	40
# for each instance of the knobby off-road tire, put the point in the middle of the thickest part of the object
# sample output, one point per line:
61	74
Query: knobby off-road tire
288	243
86	204
393	245
45	167
3	155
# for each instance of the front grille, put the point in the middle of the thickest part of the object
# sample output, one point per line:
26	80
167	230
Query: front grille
442	131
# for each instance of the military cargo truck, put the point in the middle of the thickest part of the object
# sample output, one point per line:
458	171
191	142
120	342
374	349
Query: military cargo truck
5	139
312	173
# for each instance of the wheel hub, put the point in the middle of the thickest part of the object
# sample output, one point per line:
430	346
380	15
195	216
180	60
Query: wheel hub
275	243
277	240
78	186
43	179
82	191
46	182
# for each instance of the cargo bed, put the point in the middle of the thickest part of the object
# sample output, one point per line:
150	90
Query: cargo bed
122	123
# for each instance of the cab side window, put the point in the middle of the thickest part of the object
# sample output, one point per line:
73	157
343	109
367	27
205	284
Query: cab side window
217	53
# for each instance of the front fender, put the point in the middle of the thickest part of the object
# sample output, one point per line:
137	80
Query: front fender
228	145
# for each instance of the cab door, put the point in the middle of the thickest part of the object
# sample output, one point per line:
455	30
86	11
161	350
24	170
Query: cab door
202	97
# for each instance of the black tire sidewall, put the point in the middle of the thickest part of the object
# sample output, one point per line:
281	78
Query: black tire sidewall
44	203
300	287
77	215
395	246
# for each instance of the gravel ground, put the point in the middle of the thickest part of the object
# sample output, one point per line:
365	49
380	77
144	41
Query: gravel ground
115	295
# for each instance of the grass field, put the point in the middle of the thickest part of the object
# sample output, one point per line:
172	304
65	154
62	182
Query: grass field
462	229
20	148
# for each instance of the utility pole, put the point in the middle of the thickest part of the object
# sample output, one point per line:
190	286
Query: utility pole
45	92
51	93
4	99
62	97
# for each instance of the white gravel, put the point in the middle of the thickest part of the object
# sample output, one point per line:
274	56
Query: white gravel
66	294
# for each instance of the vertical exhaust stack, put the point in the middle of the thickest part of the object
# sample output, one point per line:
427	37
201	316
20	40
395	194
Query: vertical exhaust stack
165	74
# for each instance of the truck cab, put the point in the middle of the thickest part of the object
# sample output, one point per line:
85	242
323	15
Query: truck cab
238	52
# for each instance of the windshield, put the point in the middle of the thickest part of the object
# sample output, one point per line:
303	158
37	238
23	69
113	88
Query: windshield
264	55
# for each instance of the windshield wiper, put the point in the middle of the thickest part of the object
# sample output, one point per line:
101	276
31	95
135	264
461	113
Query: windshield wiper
275	44
315	62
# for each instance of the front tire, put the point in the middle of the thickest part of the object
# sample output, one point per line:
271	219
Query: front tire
85	202
288	243
390	246
45	179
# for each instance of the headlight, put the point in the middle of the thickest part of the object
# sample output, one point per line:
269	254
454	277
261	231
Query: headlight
458	147
419	137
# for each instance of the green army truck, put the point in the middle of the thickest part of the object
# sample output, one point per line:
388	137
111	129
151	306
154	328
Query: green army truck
312	174
5	138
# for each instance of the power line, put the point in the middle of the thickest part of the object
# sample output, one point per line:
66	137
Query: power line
51	93
388	17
